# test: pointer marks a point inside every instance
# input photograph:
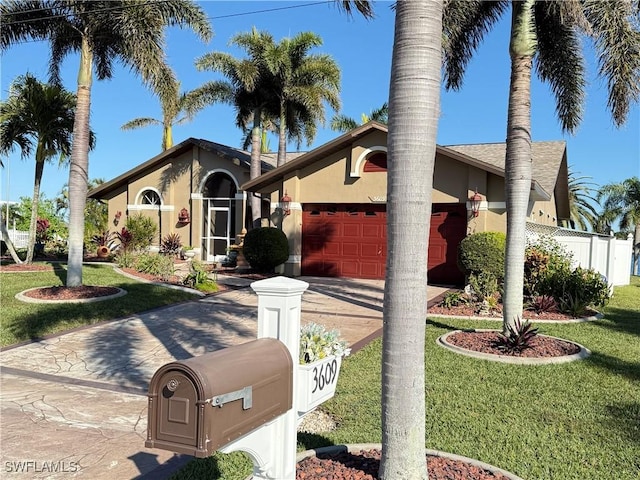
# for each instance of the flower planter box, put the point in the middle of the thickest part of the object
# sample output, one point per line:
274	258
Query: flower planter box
317	382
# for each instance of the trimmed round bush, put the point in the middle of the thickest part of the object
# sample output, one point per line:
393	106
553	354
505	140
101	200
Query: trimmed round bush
483	252
265	248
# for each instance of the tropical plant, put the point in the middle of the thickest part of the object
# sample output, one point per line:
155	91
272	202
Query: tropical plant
454	299
316	343
544	303
171	244
198	278
177	109
304	82
103	239
517	338
483	285
143	231
126	31
343	123
157	265
621	201
583	215
38	118
548	33
96	211
125	237
42	230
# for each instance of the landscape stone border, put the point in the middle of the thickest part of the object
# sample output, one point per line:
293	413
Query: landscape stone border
24	298
356	447
583	353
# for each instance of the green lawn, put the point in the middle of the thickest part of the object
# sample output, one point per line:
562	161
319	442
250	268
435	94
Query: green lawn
578	420
23	321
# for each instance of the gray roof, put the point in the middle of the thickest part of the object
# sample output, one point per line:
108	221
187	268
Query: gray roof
547	159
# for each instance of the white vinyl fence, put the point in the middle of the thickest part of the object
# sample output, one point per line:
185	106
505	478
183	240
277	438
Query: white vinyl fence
607	255
19	238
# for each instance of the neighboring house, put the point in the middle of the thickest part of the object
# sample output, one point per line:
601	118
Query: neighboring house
192	189
336	224
335	219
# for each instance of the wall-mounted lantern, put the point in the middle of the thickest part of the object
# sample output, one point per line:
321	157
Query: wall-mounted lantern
183	216
475	201
285	204
116	218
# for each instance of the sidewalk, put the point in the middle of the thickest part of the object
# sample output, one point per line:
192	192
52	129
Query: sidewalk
75	405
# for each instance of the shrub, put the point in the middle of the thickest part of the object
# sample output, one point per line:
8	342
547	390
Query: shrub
143	231
580	289
454	299
42	230
545	262
198	278
125	259
265	248
171	244
483	285
157	265
483	252
517	337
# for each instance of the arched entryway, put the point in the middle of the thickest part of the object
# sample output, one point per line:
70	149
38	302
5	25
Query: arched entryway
218	215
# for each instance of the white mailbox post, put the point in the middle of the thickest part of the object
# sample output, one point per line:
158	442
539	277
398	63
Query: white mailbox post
272	447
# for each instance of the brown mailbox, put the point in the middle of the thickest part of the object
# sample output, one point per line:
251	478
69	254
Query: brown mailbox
199	405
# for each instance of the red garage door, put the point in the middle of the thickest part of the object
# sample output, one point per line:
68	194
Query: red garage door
344	240
350	241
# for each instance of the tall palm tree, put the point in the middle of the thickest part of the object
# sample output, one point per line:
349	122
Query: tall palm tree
303	83
102	32
95	212
622	201
546	34
343	123
37	118
249	88
583	215
415	96
178	108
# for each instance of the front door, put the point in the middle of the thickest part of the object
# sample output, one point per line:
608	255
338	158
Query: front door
217	227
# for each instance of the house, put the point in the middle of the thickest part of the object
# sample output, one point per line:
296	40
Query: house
192	189
336	195
331	201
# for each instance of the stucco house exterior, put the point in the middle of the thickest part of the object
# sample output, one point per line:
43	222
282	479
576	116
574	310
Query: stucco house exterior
334	213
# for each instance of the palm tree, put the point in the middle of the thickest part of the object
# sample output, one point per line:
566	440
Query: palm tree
342	123
250	89
38	118
622	201
103	32
303	83
177	108
549	33
415	95
95	212
583	214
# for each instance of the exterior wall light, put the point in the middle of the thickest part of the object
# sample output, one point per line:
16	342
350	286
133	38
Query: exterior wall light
285	204
183	216
475	201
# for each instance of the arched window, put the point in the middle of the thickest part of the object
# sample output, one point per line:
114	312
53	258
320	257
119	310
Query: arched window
219	185
376	162
149	197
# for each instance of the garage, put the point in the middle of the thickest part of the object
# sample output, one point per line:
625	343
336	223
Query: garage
342	240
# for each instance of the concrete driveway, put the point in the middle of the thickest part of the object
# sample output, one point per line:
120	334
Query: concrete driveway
75	405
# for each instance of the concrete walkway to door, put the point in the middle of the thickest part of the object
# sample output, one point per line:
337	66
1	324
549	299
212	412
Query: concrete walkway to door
75	405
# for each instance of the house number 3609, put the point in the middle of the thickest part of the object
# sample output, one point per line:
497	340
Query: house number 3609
324	375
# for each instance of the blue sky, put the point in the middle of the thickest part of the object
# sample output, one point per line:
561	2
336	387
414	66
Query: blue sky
476	114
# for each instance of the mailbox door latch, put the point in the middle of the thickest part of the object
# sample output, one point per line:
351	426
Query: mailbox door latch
246	394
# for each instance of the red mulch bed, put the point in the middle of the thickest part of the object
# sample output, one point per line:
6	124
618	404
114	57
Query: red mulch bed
484	342
70	293
364	465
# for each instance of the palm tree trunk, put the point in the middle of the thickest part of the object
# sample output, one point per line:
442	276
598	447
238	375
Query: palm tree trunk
35	200
517	161
167	137
9	243
255	168
282	136
79	167
413	122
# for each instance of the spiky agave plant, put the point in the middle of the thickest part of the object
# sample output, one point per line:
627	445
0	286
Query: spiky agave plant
517	337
